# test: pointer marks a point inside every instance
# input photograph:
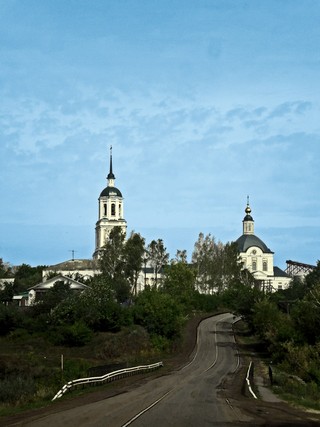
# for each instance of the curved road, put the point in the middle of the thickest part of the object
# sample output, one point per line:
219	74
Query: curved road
188	397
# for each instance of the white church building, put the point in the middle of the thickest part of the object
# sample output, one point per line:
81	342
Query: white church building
257	258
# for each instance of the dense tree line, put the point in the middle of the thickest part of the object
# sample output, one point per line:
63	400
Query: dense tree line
287	321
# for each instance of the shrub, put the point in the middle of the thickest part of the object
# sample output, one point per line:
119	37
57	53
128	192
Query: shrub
76	335
159	313
17	389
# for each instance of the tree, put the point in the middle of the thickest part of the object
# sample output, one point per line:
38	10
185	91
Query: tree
158	257
133	256
27	276
96	306
242	296
51	298
112	258
5	269
158	312
313	278
113	265
217	265
179	281
6	293
202	257
306	316
181	256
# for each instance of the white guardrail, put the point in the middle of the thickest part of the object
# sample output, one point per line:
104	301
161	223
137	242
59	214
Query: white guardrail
248	381
116	375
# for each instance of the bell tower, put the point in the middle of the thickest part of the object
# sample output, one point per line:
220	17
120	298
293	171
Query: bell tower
110	211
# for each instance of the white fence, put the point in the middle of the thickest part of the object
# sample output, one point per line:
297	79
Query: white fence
250	375
112	376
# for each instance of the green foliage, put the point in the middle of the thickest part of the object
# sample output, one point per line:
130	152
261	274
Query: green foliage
206	303
96	306
179	282
51	298
303	360
112	260
133	255
306	317
241	298
17	388
159	313
293	389
10	318
5	269
313	278
217	265
121	262
27	276
157	256
76	335
295	291
6	294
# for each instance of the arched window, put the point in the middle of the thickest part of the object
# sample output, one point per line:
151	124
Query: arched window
120	210
265	265
113	209
254	265
105	209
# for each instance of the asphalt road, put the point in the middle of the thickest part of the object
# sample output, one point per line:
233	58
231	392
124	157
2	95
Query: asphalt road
188	397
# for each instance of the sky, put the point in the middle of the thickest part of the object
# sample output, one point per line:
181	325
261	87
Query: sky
204	102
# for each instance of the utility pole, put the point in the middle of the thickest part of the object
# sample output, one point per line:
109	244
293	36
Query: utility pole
73	252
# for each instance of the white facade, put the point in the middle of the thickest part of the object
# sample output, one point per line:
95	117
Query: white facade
110	212
36	291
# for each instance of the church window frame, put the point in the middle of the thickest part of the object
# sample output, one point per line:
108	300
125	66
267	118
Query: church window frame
254	265
113	209
264	265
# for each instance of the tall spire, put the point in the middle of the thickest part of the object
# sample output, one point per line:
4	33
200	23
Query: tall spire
110	174
248	209
248	222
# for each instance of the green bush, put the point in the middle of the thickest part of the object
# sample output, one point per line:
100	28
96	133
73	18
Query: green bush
17	389
76	335
10	318
159	313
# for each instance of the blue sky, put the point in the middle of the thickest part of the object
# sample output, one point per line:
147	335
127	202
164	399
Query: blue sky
204	103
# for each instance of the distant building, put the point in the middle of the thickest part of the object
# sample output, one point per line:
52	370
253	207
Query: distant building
36	292
74	268
257	258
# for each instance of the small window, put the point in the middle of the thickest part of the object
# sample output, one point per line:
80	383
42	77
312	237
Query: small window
105	209
120	210
254	265
113	209
265	265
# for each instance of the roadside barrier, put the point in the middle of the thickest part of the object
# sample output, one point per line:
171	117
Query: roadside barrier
250	375
112	376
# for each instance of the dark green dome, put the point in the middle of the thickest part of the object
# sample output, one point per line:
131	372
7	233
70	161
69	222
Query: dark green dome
110	191
246	241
